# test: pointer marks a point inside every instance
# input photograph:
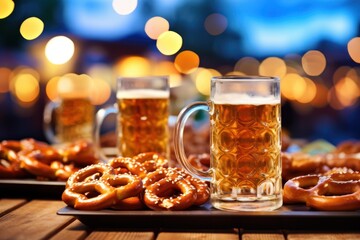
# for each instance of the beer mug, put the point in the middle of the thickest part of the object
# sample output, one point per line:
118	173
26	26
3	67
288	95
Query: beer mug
245	143
142	112
72	116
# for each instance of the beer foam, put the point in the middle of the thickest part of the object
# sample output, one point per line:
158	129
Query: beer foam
237	98
142	93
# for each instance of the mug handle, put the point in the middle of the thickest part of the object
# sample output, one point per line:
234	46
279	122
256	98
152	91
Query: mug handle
47	122
100	116
179	141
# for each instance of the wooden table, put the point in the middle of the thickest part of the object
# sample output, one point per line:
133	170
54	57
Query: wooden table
38	219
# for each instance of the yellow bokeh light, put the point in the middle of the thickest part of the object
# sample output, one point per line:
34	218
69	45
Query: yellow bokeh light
347	91
167	68
6	8
203	80
313	62
215	24
334	101
133	66
103	72
101	92
293	86
247	65
5	74
26	87
51	88
124	7
155	26
309	93
320	99
59	50
169	43
353	49
31	28
187	62
273	66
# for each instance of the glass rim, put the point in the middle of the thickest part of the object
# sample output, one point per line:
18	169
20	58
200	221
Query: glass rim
148	77
233	78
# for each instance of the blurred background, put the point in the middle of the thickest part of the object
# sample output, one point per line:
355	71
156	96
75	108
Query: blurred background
313	46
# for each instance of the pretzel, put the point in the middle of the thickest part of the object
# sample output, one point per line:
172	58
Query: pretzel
81	152
333	192
173	189
170	194
10	164
126	164
151	160
200	161
36	158
97	187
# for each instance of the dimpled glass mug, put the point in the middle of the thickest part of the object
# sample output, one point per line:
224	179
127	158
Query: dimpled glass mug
74	113
245	143
142	110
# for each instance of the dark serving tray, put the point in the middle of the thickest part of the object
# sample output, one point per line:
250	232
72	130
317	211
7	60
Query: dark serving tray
288	217
31	188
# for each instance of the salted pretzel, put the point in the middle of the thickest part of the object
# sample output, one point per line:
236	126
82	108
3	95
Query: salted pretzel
333	192
10	164
173	189
151	160
128	165
38	159
96	187
80	152
200	161
140	165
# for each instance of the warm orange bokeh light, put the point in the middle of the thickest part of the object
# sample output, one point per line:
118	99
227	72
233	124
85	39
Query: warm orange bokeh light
313	63
354	49
247	65
156	26
273	66
187	62
5	74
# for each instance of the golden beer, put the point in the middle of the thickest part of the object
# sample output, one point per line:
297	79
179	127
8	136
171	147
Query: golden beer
74	119
245	150
143	122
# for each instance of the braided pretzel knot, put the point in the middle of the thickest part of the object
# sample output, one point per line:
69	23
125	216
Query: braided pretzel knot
335	192
173	189
97	187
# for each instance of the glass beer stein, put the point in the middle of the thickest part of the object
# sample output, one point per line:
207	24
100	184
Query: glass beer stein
72	116
245	143
142	111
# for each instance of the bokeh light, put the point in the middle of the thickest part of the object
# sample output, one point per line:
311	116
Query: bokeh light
247	65
353	47
347	91
320	99
51	88
272	66
169	43
155	26
5	74
309	93
215	24
101	91
59	50
187	61
31	28
124	7
25	86
313	63
293	86
203	80
6	8
133	66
